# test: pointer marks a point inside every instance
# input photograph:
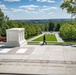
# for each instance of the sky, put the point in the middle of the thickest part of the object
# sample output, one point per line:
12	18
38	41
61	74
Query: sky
33	9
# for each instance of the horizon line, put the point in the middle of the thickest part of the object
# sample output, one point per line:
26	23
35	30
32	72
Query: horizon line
40	19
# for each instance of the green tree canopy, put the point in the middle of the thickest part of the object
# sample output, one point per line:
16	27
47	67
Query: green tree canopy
68	32
70	6
51	26
1	17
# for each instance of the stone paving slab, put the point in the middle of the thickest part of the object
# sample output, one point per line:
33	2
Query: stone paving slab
46	59
38	68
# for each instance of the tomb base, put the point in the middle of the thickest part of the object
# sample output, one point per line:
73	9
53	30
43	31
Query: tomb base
16	44
15	37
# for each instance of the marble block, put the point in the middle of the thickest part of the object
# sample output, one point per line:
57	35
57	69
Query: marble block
15	37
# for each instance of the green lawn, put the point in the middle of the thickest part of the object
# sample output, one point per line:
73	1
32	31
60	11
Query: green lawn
49	37
32	37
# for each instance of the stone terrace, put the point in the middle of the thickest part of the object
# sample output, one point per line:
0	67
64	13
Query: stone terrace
36	59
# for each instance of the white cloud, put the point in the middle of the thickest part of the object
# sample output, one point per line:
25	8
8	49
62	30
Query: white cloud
51	13
12	0
54	8
3	7
33	11
41	0
5	11
29	7
26	11
48	8
45	6
16	10
49	1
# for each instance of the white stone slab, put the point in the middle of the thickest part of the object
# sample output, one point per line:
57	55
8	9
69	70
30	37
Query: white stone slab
5	50
21	51
15	37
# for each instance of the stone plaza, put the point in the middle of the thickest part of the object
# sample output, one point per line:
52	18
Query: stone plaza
37	59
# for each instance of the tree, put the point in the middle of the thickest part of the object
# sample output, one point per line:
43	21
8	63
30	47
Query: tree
68	32
2	24
6	18
10	23
1	17
51	26
57	27
70	6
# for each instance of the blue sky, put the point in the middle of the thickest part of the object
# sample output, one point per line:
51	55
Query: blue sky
33	9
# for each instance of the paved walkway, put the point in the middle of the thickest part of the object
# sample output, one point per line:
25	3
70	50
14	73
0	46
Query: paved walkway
36	59
59	39
35	38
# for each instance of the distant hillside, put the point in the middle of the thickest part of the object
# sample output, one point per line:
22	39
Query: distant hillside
43	20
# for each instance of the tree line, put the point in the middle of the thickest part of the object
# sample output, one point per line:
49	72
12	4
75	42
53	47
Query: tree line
67	29
31	29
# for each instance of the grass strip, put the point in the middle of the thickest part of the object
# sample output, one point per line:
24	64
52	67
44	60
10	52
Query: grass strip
49	37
